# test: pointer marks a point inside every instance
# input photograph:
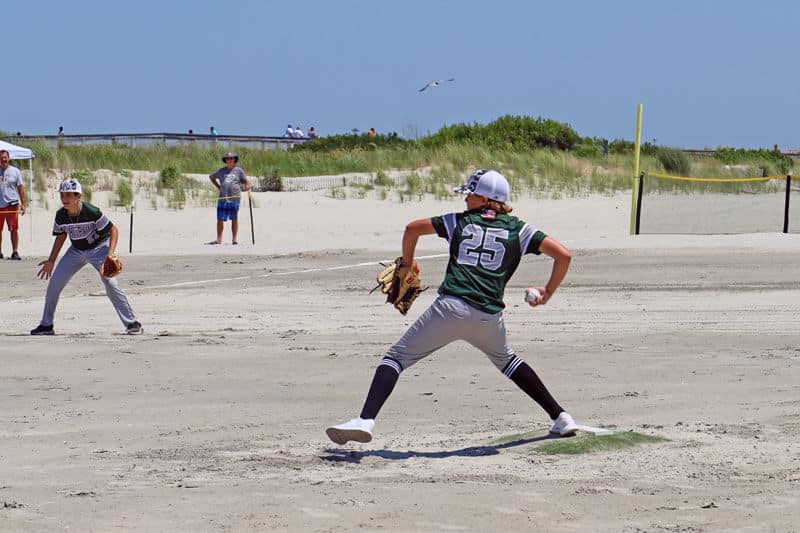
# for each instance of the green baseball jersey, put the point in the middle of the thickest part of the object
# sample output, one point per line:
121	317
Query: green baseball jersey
87	230
485	250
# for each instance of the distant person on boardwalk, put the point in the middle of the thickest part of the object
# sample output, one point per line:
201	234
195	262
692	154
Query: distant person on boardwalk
312	133
93	237
61	130
231	181
212	131
191	132
371	133
289	132
298	133
12	202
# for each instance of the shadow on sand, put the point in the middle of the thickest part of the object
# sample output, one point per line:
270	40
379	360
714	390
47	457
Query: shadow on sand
355	456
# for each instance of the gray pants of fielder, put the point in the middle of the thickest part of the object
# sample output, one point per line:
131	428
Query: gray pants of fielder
448	319
68	266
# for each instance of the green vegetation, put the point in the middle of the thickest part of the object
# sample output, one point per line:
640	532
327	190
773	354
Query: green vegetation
674	161
519	133
124	193
353	142
269	181
171	179
540	157
583	443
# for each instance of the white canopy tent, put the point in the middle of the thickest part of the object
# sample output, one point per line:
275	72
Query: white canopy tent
18	152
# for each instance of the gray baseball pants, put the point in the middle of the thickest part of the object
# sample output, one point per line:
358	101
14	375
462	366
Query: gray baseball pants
68	266
450	318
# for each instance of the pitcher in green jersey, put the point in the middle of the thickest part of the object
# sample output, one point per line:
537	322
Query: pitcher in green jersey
486	244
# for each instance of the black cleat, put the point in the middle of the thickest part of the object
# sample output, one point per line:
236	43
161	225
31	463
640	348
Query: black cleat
134	329
43	330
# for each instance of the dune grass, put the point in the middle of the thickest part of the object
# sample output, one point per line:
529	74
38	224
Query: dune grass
541	172
545	170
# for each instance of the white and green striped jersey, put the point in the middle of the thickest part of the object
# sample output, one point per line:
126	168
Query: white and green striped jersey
87	230
485	250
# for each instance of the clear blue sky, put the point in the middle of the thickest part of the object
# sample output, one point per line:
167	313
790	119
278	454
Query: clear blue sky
708	73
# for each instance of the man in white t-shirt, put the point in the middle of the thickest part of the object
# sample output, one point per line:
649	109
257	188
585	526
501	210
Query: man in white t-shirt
12	202
289	131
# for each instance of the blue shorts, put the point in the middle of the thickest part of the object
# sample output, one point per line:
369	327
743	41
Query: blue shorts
227	210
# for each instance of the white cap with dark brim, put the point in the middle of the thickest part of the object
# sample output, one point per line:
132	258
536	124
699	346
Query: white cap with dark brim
488	183
70	185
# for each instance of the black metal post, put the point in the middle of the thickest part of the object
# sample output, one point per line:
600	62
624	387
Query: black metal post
786	204
639	204
252	229
130	237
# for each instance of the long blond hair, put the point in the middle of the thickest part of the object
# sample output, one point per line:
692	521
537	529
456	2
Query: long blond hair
499	207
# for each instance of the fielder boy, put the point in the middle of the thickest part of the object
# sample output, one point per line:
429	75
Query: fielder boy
486	245
93	238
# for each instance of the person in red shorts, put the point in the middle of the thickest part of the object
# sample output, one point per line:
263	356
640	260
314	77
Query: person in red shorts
12	202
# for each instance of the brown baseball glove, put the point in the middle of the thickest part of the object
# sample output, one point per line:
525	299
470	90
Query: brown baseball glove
400	283
111	266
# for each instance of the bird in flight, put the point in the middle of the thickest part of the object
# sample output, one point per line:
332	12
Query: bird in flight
435	84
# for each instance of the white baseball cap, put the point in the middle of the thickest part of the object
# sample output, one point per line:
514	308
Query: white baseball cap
70	185
488	183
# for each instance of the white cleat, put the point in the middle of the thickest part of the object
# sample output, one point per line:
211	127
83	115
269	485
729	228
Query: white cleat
564	425
357	429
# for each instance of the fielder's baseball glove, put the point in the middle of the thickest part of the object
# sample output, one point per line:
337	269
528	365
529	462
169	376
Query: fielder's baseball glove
400	283
111	266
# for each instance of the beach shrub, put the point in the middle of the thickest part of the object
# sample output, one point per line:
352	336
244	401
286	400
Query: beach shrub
383	180
621	146
675	161
518	132
589	150
270	181
171	179
124	193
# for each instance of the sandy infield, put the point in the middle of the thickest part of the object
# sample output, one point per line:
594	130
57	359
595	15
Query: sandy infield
214	419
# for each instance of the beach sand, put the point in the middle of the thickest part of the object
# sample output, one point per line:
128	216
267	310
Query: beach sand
214	419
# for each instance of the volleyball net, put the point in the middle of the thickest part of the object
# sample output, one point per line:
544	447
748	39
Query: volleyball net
668	204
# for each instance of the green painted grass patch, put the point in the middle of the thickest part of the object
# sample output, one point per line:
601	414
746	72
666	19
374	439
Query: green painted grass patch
583	443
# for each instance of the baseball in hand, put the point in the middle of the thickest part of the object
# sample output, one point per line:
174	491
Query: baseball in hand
532	295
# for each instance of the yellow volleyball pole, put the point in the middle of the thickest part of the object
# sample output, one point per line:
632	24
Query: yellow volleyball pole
636	166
